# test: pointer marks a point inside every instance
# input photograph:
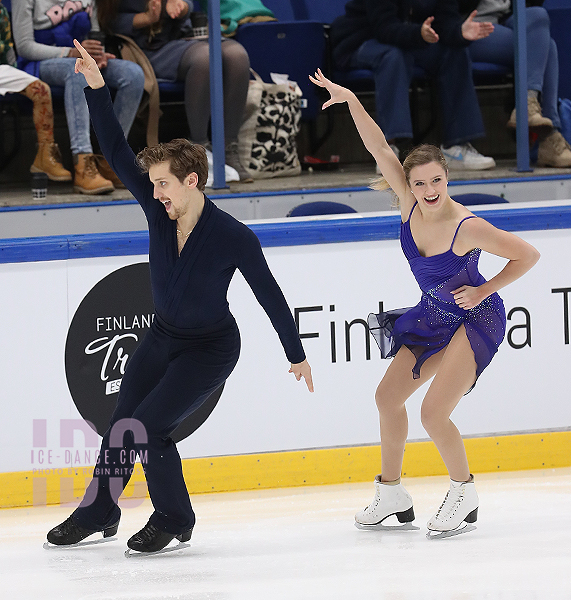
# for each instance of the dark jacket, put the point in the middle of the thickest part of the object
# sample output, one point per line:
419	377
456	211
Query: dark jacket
397	22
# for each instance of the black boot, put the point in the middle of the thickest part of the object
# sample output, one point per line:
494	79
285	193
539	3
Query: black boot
151	539
69	532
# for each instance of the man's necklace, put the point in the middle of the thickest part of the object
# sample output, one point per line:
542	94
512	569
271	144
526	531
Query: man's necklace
184	235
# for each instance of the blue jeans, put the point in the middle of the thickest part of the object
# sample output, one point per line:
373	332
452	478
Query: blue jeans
124	76
542	58
393	70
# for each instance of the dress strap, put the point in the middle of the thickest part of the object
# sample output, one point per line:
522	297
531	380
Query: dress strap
457	228
410	213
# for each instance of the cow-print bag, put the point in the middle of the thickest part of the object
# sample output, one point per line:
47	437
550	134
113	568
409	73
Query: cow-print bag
267	138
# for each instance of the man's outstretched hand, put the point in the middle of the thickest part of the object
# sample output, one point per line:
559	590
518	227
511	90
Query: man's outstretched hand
87	65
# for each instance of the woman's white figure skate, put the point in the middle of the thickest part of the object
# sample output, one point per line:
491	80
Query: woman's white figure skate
389	500
457	513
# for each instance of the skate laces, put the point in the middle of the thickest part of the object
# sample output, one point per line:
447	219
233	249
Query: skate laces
148	533
70	527
451	503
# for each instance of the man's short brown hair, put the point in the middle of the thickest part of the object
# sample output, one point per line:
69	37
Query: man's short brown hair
183	158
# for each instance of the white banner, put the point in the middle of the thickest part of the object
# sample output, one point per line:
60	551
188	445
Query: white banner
331	288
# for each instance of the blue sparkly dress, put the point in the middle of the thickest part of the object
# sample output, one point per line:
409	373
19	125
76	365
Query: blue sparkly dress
429	326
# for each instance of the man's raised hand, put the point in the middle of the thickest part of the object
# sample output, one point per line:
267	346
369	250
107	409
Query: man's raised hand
87	65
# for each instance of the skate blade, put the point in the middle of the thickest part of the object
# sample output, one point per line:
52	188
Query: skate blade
381	527
48	546
440	535
135	554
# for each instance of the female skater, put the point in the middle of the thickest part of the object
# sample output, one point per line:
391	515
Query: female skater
193	343
451	335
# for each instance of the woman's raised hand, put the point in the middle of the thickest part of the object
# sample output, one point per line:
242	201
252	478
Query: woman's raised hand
338	94
87	65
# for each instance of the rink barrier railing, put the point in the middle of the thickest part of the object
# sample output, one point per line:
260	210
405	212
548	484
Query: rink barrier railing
294	232
514	452
307	192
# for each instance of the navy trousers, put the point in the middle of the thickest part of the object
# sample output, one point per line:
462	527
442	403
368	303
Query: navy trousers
170	376
393	70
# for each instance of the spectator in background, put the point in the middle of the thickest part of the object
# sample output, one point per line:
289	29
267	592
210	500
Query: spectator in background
44	31
542	72
234	13
162	31
12	80
391	37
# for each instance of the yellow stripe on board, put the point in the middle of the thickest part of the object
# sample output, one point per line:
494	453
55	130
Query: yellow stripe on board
297	468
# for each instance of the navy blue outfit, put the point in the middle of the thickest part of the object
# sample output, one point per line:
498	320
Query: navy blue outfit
192	345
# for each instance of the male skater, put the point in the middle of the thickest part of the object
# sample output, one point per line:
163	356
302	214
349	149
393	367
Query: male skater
193	343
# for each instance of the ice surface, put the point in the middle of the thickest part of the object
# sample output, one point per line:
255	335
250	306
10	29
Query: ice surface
301	543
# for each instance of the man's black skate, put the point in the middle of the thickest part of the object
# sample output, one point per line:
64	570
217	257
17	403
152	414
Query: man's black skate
151	540
70	533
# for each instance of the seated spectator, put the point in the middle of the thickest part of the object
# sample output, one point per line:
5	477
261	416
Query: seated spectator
542	73
234	13
390	37
12	80
162	32
44	31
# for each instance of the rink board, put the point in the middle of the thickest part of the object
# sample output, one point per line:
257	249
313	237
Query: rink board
333	273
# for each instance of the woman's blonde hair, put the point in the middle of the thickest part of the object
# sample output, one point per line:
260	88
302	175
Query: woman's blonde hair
418	156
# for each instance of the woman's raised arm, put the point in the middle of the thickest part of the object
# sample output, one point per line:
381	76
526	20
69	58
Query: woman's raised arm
372	136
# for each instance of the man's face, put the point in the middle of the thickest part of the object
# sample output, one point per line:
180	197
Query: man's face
172	193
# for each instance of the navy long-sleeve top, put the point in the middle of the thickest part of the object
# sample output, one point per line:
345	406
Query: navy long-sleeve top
189	291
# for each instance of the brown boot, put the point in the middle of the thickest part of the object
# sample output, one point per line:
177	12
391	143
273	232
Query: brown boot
106	171
535	120
88	180
48	161
554	151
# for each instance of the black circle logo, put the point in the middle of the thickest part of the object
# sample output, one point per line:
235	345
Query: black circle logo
105	331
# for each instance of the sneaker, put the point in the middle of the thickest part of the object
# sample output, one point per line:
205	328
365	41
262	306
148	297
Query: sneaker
233	160
554	151
535	120
230	174
389	500
466	158
460	504
397	154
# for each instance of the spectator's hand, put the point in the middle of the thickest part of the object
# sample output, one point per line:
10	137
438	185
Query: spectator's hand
176	8
428	34
93	47
87	65
338	94
102	61
303	369
473	30
154	11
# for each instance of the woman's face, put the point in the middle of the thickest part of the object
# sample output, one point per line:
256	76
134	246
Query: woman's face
429	185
